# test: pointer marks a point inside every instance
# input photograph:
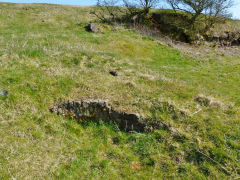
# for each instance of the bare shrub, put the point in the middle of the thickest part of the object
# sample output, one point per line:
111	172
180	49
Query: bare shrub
107	10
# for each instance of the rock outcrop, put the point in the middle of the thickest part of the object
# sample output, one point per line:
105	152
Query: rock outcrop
92	27
226	38
3	93
100	110
85	111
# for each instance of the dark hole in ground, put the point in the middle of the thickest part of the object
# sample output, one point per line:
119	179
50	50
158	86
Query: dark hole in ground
113	73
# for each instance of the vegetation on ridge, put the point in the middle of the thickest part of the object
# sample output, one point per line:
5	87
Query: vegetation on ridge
48	57
189	20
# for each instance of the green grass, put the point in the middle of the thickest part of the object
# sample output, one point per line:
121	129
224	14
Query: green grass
47	57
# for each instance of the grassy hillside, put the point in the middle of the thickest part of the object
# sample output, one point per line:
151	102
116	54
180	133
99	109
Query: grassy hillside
47	57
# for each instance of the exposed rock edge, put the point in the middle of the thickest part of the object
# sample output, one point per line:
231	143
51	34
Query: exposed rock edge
100	110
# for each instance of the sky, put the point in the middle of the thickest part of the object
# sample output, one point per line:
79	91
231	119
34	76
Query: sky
235	10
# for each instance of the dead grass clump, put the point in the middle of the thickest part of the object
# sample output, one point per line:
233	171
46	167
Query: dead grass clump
131	84
208	101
